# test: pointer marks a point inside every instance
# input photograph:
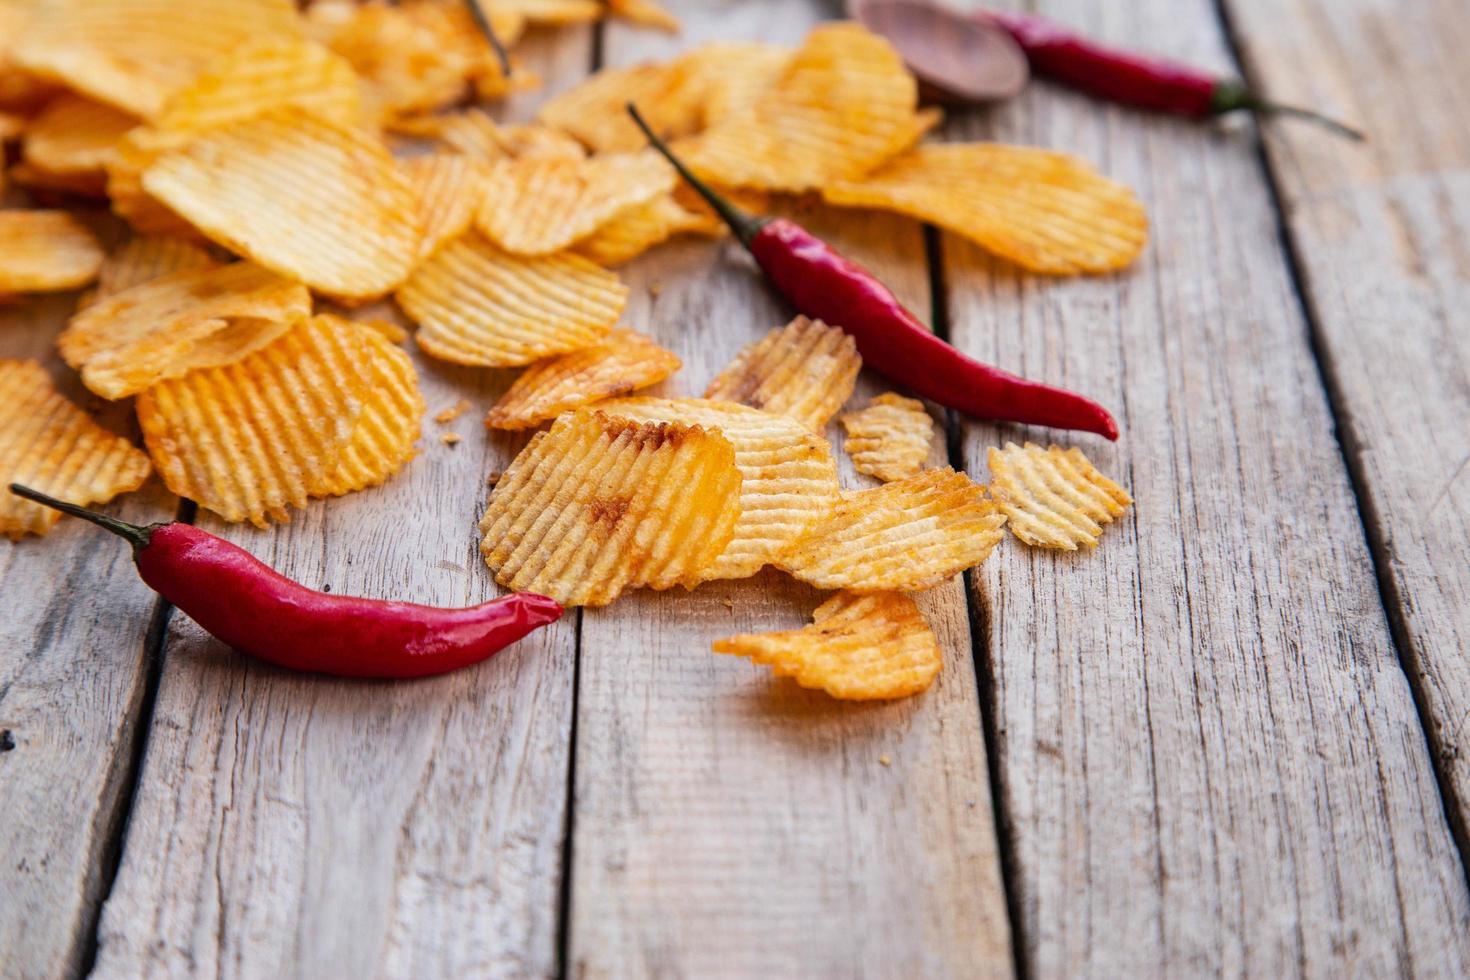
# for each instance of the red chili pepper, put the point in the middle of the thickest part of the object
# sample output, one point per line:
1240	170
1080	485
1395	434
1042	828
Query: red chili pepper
895	343
244	602
1138	80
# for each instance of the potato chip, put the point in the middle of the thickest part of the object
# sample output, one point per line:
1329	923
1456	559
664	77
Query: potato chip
173	324
51	445
306	196
788	476
249	440
555	13
890	439
904	536
45	251
805	370
476	304
645	12
1047	212
595	111
843	105
619	364
473	133
857	648
636	230
149	216
141	260
448	186
75	135
540	206
731	76
1053	497
597	505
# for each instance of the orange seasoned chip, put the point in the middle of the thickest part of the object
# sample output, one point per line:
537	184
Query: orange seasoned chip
306	196
904	536
473	133
805	370
51	445
476	304
890	439
619	364
144	259
857	648
448	186
249	440
636	230
45	251
1047	212
75	135
540	206
1054	497
597	505
595	111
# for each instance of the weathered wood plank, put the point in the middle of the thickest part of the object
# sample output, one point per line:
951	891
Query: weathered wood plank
300	826
1382	235
730	824
1209	755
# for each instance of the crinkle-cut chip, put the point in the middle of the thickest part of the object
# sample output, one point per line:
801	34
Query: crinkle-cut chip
540	206
595	111
619	364
75	135
597	505
448	186
478	304
51	445
843	105
857	648
639	228
134	154
135	54
144	259
890	439
904	536
249	440
805	370
391	332
173	324
303	195
731	76
1047	212
1054	497
45	251
392	411
644	12
554	13
788	476
473	133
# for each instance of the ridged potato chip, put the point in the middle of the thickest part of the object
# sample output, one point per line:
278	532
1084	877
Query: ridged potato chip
857	648
597	505
174	324
476	304
144	259
619	364
249	440
731	76
904	536
306	196
788	476
473	133
75	135
51	445
1047	212
1054	497
595	110
636	230
134	154
890	439
805	371
644	12
45	251
540	206
448	186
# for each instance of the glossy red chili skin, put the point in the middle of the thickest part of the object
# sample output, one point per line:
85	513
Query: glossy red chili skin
247	604
895	343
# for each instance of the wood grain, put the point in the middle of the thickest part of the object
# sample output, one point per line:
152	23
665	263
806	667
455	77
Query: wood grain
303	826
1382	235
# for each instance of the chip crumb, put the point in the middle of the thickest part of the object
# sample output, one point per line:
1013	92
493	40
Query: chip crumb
493	478
450	438
728	604
453	412
883	760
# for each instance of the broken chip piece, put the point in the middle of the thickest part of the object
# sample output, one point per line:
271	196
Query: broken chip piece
1054	497
891	438
619	364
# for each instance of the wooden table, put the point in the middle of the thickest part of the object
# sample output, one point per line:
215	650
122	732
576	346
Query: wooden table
1236	739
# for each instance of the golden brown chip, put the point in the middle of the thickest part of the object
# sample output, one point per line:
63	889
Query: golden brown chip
805	370
249	440
141	260
645	12
857	648
45	251
306	196
448	186
176	323
473	133
75	135
1054	497
788	476
638	229
889	439
597	505
904	536
619	364
476	304
51	445
595	111
1047	212
540	206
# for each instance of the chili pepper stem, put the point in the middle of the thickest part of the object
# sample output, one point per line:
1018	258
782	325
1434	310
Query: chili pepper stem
136	535
743	225
1230	96
483	23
